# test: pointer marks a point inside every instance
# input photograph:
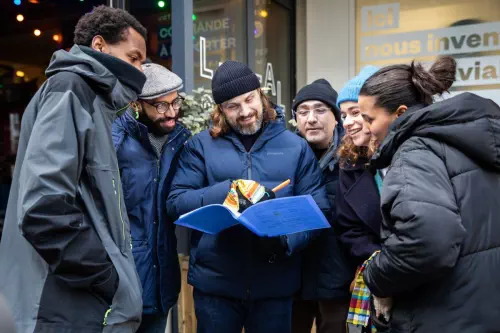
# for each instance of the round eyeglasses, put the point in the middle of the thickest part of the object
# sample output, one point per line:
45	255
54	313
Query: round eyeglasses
162	107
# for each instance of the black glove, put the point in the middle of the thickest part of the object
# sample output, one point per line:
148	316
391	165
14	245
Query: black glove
244	203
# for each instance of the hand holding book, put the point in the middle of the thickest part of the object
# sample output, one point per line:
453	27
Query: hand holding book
264	217
245	193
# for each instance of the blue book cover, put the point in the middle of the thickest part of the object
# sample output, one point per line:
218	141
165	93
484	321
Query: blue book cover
277	217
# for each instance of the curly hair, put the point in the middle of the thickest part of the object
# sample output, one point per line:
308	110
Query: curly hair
349	154
110	23
221	127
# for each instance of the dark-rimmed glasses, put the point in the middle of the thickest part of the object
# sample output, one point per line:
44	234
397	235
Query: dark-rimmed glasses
162	107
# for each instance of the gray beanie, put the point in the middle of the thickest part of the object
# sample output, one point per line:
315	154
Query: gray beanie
159	81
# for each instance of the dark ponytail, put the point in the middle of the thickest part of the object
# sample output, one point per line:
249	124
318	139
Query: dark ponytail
409	85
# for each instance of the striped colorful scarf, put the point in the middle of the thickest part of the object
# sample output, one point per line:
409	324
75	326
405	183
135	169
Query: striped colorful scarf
359	308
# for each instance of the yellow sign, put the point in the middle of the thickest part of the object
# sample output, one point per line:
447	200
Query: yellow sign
400	31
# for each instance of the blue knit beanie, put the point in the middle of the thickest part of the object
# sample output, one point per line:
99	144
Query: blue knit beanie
350	92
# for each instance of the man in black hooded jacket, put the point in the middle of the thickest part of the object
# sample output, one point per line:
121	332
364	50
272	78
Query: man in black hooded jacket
66	262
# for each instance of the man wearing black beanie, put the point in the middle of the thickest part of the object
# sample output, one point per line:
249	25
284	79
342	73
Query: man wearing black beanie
324	296
241	280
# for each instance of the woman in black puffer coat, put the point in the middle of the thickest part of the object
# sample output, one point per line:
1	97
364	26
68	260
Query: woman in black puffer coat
440	257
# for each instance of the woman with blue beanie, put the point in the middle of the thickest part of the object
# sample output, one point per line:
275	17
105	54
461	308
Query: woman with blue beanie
358	199
358	195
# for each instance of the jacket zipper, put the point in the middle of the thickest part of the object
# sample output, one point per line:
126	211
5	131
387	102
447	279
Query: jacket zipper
105	322
249	170
172	139
249	175
120	209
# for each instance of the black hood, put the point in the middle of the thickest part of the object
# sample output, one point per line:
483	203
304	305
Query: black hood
116	79
466	122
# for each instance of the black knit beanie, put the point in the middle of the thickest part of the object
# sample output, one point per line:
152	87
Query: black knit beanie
320	90
233	79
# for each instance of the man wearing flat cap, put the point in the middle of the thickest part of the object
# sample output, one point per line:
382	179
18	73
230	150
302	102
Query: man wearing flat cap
240	279
147	140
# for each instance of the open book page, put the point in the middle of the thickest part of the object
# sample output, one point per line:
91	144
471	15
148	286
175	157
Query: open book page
284	216
210	219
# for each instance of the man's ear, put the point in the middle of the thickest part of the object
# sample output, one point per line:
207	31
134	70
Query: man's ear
401	109
99	44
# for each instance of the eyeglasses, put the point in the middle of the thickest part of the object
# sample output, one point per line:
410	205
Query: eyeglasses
162	107
317	112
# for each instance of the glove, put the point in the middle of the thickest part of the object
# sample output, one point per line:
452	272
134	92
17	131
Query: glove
245	193
242	195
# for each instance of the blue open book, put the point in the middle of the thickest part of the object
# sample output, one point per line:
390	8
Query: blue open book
276	217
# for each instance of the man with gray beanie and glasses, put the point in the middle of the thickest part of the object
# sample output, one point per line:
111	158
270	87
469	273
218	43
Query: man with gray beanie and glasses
241	280
147	140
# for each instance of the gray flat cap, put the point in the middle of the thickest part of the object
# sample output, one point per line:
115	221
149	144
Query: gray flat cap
159	81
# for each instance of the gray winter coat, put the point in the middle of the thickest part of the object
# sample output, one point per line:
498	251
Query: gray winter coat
440	257
66	263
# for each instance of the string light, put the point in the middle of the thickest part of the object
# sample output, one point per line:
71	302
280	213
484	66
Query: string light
20	73
20	17
161	4
56	37
17	2
37	32
263	13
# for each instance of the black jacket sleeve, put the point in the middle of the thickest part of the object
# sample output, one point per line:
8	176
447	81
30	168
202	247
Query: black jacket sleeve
51	220
352	233
422	224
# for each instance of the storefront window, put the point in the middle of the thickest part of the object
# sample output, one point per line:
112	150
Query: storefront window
469	30
158	21
30	32
221	34
273	55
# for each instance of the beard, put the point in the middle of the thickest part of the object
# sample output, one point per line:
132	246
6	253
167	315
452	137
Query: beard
247	129
156	127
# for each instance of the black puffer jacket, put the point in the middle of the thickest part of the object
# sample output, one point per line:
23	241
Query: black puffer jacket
440	257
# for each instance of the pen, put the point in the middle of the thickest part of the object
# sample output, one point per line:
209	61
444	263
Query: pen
280	186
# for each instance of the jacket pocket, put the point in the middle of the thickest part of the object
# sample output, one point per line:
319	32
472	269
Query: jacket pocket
107	288
108	197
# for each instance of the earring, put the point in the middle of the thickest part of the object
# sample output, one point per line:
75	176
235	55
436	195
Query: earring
136	107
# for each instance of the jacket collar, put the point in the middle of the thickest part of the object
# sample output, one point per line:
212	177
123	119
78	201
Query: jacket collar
269	131
383	156
124	72
115	81
330	158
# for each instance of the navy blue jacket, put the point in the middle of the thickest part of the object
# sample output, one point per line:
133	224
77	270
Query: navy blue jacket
229	264
145	180
359	217
327	273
